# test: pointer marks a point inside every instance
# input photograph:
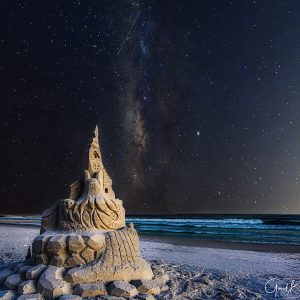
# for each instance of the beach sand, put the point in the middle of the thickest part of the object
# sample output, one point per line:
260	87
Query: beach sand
197	269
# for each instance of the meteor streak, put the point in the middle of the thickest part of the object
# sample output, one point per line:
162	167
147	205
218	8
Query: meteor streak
128	33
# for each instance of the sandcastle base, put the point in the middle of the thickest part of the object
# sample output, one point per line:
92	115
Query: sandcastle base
24	281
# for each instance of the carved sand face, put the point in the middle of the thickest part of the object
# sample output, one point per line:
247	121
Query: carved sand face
69	203
92	186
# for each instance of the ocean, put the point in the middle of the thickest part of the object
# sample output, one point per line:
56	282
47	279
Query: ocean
260	229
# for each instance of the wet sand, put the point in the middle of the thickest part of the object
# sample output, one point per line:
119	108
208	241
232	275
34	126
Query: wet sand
222	244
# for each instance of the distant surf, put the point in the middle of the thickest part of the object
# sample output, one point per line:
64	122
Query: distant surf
260	229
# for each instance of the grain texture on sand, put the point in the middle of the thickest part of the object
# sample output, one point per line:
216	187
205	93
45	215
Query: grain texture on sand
195	272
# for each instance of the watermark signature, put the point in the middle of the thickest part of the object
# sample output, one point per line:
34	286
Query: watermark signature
283	290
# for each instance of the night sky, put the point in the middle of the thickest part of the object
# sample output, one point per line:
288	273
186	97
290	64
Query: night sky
197	103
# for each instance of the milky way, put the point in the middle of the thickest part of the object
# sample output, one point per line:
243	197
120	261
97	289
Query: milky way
197	103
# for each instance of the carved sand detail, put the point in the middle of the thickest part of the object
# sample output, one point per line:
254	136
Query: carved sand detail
120	261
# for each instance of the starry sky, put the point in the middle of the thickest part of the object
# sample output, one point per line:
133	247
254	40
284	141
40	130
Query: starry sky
197	103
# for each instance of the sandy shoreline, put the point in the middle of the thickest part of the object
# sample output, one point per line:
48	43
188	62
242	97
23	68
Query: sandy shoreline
196	272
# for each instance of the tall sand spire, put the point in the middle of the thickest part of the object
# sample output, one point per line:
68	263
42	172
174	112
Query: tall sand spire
94	154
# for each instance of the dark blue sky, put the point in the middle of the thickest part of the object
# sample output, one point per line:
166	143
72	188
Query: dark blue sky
197	103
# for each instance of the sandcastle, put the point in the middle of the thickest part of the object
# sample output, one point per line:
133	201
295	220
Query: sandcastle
84	249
